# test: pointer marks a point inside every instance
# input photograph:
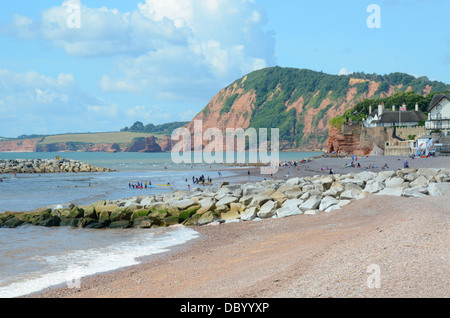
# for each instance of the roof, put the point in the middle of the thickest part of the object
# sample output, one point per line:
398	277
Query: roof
406	116
437	99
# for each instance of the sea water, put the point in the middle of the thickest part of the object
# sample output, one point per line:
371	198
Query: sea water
34	258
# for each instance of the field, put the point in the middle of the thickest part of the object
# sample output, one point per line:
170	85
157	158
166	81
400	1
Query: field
96	138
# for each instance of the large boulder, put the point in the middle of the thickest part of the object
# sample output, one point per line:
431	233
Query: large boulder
374	186
268	210
311	204
227	201
288	210
182	204
249	214
327	202
437	189
391	191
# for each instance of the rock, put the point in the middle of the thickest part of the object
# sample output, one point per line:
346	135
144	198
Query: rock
51	222
259	200
410	177
170	220
146	201
332	208
366	176
279	197
374	186
391	191
394	182
428	173
292	202
311	204
206	204
90	213
343	203
76	212
295	181
311	212
234	213
288	210
352	194
12	222
226	201
327	182
95	225
119	224
413	193
420	181
182	204
207	217
327	202
267	210
143	222
103	217
437	189
383	175
293	194
249	214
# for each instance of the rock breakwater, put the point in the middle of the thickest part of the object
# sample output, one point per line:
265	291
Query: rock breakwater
47	166
244	202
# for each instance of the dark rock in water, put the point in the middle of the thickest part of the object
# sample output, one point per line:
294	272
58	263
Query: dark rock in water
69	222
119	225
84	222
95	225
40	218
104	218
50	222
12	222
76	212
171	220
143	222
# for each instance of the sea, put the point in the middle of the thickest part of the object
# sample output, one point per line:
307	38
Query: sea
35	258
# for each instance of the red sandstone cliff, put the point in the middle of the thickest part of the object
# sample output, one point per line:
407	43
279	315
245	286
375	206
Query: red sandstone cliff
22	145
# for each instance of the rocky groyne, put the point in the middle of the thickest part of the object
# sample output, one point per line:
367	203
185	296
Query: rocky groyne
47	166
245	202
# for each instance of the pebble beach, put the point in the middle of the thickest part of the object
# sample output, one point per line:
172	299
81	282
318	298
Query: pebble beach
321	255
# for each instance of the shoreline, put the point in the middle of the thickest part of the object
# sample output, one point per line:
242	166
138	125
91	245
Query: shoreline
263	259
212	237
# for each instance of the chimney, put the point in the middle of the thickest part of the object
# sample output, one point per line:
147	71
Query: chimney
393	108
417	107
380	110
370	109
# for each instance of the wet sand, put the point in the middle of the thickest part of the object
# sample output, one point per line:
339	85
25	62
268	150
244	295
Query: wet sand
324	255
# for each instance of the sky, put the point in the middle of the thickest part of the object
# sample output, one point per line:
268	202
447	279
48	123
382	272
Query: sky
95	65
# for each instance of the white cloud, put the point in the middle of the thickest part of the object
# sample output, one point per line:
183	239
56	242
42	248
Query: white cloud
35	103
345	71
182	48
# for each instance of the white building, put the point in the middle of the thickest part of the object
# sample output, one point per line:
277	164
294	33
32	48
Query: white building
390	118
439	113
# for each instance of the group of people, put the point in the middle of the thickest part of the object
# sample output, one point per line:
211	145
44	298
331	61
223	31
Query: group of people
358	165
139	185
201	180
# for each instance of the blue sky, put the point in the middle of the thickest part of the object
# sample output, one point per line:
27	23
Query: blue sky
158	61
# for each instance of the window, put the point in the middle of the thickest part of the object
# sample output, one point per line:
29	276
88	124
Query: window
439	107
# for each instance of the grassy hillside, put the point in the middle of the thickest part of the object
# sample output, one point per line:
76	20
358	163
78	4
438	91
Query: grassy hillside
301	102
95	138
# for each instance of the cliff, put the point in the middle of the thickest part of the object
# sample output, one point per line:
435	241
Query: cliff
300	102
20	145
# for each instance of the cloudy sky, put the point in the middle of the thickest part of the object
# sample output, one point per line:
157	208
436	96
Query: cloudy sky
97	65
